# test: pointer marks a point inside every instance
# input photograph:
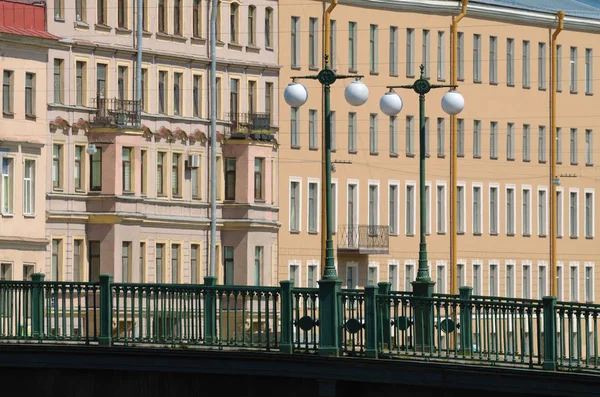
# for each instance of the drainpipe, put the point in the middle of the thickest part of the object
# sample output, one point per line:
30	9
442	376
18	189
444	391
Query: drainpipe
453	151
213	137
553	178
138	67
326	34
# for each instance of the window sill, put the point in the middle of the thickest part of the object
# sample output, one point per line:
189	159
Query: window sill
510	159
234	46
493	233
295	147
102	28
410	155
573	92
314	233
8	114
252	48
28	216
296	67
526	235
373	73
81	25
441	156
295	231
493	83
460	155
177	197
7	215
269	48
589	94
352	151
541	88
395	155
59	19
350	70
589	164
80	191
220	43
374	153
259	201
542	236
393	74
477	81
122	30
410	235
510	234
573	237
542	161
574	163
460	233
476	157
393	234
441	233
526	160
460	79
493	157
31	117
128	193
197	40
526	87
314	68
161	196
589	237
58	189
313	148
442	79
477	234
512	85
146	34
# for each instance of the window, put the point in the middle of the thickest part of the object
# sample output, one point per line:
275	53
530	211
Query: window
30	94
332	131
559	282
312	274
7	92
295	46
101	80
58	81
477	138
460	137
589	215
251	25
77	260
233	23
589	284
410	210
29	187
409	270
94	261
197	19
57	166
228	265
542	281
494	212
352	46
352	214
526	281
542	212
542	144
332	44
460	209
96	171
393	50
218	30
373	139
258	265
427	208
477	279
197	96
542	66
573	146
352	138
440	281
461	56
410	52
269	100
126	161
159	271
410	137
589	71
162	89
313	203
393	135
230	175
80	83
294	273
194	269
144	84
493	60
57	258
312	129
373	209
295	139
143	171
177	93
334	194
526	212
196	181
441	136
441	56
175	265
477	58
510	62
176	174
351	275
393	276
7	185
526	145
559	213
558	68
441	209
393	201
558	147
373	48
477	218
573	70
126	262
121	82
510	281
80	10
259	179
510	211
574	278
493	140
525	64
510	141
102	12
460	274
268	27
234	103
295	197
372	274
313	43
425	53
589	148
160	173
122	12
252	97
493	279
142	263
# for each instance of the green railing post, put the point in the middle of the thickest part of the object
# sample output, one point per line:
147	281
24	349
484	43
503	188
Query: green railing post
371	321
549	333
210	310
383	314
286	317
466	315
105	310
424	316
330	316
37	305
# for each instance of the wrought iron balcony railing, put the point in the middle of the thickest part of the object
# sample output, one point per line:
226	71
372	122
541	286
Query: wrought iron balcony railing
113	112
246	124
364	239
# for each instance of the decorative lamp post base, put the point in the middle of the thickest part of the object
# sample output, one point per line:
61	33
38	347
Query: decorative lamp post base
330	322
423	316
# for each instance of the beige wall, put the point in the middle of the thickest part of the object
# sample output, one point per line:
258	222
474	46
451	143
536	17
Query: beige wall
485	101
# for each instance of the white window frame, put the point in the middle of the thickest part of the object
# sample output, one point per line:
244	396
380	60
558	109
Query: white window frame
589	71
510	61
335	188
441	56
529	210
589	147
510	141
559	145
542	227
356	183
410	52
374	48
573	70
542	144
542	66
513	264
441	207
526	64
31	181
316	264
477	289
296	41
316	181
461	270
589	265
313	44
592	192
560	281
574	265
393	135
441	288
495	186
352	133
476	138
528	264
410	136
477	58
298	264
493	61
355	278
8	182
352	45
413	185
560	215
496	263
493	140
461	224
480	186
394	263
460	56
395	183
514	211
542	265
376	184
526	142
441	137
393	56
373	265
413	264
373	134
576	220
558	68
299	180
428	216
425	56
573	146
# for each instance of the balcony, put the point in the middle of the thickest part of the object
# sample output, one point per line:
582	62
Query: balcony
255	126
363	239
116	113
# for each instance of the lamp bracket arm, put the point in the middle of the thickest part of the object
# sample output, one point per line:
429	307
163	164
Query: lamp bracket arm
410	87
443	86
294	78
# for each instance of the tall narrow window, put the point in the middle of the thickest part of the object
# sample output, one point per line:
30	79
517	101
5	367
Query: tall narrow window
558	147
144	84
510	62
441	137
427	209
219	100
58	81
477	219
589	215
312	129
295	202
573	146
510	211
510	281
589	286
542	66
393	135
162	16
94	261
122	13
526	64
269	100
29	187
373	48
251	25
259	179
410	52
410	136
477	58
542	213
101	12
312	207
559	213
197	96
78	167
56	260
352	138
425	53
197	18
493	60
252	97
460	209
127	168
101	80
558	68
574	278
427	153
352	46
234	103
373	138
96	171
441	56
493	140
477	279
494	212
268	27
589	71
460	56
542	144
295	42
80	11
526	142
80	86
144	171
526	212
573	70
526	282
460	137
295	138
77	260
542	281
510	141
30	95
230	175
332	44
493	280
373	209
410	210
477	138
121	82
159	256
7	92
160	173
393	209
162	88
176	175
57	166
258	265
589	148
126	262
441	209
228	264
313	43
7	185
194	265
177	93
233	23
175	265
393	51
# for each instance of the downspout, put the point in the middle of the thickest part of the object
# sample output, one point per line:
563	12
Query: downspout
213	137
552	175
138	66
453	152
326	34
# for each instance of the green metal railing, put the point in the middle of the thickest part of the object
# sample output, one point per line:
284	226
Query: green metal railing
372	322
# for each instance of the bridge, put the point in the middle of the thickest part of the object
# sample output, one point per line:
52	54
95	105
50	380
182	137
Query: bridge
313	341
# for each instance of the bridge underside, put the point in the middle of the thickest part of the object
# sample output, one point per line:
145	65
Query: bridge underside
100	371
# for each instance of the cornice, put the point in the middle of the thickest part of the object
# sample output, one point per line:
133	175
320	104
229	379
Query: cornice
23	243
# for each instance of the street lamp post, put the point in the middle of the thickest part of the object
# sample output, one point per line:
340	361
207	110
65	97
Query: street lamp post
391	104
356	94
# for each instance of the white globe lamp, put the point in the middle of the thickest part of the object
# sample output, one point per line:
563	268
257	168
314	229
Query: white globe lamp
295	94
453	103
356	93
390	104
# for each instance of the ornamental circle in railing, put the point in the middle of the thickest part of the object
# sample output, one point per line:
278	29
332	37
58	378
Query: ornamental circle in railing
353	326
306	323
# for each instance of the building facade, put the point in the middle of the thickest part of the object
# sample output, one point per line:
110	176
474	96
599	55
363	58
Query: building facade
131	197
503	136
24	46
